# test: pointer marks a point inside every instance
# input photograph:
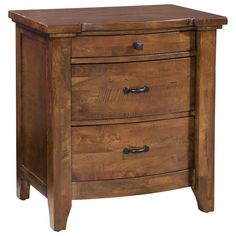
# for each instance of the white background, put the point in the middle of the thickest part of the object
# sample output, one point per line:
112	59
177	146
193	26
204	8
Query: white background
169	213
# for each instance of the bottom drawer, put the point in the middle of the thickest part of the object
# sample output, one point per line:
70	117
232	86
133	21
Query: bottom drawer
131	150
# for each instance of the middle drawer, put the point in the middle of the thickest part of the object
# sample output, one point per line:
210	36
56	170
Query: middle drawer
135	89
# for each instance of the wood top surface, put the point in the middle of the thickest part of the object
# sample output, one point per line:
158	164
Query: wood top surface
115	18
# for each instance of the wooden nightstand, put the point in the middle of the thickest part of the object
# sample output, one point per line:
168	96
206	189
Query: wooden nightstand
113	102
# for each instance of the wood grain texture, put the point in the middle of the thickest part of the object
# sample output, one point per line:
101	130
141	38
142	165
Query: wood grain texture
137	31
133	120
114	18
31	179
75	117
205	121
151	57
122	45
131	186
34	105
22	186
31	110
97	90
59	143
97	151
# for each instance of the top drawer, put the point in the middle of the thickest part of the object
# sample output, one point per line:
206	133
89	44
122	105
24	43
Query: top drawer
127	45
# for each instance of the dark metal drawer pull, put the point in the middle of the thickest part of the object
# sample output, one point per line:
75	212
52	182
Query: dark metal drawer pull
144	89
145	148
138	45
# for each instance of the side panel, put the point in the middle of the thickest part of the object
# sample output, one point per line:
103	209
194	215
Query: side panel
32	109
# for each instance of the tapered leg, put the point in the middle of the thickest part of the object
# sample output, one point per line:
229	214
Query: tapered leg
59	183
203	186
59	194
58	213
23	189
205	204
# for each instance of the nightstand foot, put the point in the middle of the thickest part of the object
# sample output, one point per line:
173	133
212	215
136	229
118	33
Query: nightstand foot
23	189
58	215
204	203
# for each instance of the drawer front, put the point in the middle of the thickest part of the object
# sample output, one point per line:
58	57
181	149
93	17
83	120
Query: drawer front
104	91
126	45
106	152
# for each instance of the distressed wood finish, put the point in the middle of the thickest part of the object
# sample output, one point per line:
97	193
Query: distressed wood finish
87	101
44	121
33	180
22	186
100	46
131	186
149	57
59	143
34	105
140	31
115	19
97	151
31	110
133	120
97	90
205	121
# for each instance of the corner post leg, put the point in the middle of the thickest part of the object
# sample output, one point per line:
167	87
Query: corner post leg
203	184
22	189
22	186
59	132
